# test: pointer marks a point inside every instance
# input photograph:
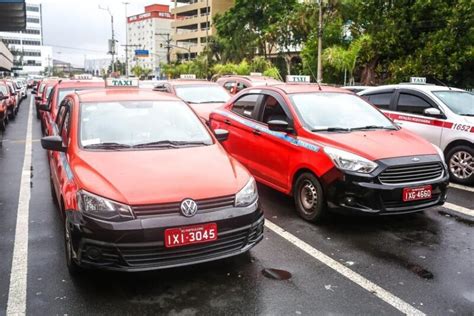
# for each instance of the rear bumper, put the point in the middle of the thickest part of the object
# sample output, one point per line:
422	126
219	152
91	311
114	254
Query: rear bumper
138	245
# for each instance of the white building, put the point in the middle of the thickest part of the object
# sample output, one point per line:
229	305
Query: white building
143	34
30	56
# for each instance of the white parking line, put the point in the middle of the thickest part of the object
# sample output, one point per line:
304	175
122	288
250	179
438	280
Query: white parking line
18	276
459	209
461	187
358	279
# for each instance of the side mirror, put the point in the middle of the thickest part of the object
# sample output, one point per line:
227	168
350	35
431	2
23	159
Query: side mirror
44	107
54	143
278	126
3	97
221	134
433	112
34	92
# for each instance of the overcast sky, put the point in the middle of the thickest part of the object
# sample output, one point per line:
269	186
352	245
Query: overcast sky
81	25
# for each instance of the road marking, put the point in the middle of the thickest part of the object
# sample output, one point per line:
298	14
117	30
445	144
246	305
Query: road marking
461	187
459	209
18	276
358	279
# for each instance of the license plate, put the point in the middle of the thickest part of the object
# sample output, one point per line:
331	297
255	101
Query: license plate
182	236
415	194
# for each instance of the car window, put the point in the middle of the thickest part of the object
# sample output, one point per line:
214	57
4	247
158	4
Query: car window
410	103
3	89
240	86
228	85
65	128
273	110
194	93
59	118
460	102
245	106
381	100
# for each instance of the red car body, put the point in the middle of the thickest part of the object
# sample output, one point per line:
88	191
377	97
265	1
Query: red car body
4	97
12	101
278	159
49	112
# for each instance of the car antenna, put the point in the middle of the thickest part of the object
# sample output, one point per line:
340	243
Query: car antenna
441	82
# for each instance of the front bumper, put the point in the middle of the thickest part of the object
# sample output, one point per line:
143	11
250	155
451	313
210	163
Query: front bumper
138	245
353	194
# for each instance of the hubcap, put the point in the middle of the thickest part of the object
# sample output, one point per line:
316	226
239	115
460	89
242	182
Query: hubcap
308	195
461	165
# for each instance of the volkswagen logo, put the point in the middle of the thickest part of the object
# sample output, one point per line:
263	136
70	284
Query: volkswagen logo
189	208
416	159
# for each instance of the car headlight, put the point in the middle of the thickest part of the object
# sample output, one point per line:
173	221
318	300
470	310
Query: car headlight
440	153
103	208
247	195
350	162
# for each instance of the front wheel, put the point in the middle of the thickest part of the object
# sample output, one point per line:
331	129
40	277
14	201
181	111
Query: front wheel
309	198
460	160
72	266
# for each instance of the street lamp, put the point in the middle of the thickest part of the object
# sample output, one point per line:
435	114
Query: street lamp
112	42
126	38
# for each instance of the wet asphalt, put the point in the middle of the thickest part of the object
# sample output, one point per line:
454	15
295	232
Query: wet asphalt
426	259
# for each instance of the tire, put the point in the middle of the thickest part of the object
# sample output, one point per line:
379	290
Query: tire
3	125
37	113
72	267
309	198
11	115
460	161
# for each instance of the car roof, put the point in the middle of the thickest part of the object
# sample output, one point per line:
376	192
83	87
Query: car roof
250	78
124	94
289	88
416	87
81	83
190	82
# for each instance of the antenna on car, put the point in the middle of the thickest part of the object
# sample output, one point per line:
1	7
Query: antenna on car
441	82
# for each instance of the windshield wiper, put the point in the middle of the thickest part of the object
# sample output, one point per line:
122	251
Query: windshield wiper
109	145
373	127
466	114
332	129
169	144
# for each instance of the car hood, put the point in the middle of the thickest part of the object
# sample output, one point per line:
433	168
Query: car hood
380	144
467	119
205	109
159	176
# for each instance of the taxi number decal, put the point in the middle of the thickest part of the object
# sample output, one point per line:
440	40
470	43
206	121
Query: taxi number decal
462	127
438	123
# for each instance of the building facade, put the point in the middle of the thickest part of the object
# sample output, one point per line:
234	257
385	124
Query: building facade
29	54
193	24
146	38
99	66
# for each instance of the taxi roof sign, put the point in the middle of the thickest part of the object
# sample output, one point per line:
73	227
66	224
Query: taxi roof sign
298	79
187	76
255	74
418	80
121	83
83	77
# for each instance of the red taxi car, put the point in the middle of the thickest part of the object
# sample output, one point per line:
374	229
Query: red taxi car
203	96
49	109
330	149
43	93
12	100
131	172
3	106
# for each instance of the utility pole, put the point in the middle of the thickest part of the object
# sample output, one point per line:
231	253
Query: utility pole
319	78
126	38
207	37
112	41
168	45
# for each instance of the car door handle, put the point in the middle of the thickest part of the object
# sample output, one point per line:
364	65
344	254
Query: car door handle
257	132
228	122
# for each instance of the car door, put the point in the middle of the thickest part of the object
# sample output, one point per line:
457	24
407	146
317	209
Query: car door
58	159
240	120
410	107
272	149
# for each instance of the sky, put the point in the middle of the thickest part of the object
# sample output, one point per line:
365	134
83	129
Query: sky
78	29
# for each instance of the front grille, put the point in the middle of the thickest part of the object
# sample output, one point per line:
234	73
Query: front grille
412	173
398	204
174	208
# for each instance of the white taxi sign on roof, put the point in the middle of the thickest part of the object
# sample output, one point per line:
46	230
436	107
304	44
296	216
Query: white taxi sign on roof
298	79
188	76
418	80
83	77
121	83
252	74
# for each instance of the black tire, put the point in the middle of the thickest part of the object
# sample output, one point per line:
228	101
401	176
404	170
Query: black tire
309	198
3	125
460	161
72	267
37	113
11	115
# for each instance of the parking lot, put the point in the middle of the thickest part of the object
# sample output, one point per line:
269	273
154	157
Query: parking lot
412	264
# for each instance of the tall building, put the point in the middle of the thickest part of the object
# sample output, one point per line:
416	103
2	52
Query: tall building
194	24
29	54
146	37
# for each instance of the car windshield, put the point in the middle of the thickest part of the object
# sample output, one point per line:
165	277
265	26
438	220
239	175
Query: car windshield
129	124
202	93
41	88
460	102
338	112
48	91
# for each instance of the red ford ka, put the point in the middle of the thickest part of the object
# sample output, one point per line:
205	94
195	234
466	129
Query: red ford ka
330	149
142	183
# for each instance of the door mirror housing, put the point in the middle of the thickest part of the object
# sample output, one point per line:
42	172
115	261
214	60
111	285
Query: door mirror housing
54	143
33	92
221	134
44	107
3	97
433	112
278	126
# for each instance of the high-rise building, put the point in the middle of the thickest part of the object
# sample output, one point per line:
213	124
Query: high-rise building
29	54
146	37
193	24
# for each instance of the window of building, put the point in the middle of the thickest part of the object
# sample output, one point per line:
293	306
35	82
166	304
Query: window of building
33	43
32	9
32	20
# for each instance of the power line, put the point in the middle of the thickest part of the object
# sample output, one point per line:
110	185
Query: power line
76	48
